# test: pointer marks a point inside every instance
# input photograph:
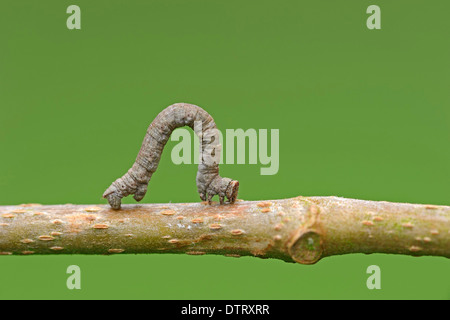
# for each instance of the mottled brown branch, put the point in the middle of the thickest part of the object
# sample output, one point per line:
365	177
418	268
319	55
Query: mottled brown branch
301	229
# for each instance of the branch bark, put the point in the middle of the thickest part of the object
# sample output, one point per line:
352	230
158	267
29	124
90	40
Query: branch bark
301	229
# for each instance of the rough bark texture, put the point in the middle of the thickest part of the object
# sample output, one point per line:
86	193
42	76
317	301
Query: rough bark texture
301	229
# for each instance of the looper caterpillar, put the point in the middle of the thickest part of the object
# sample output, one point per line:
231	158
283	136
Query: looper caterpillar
209	182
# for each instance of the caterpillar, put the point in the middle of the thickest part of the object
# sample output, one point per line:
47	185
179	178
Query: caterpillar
209	182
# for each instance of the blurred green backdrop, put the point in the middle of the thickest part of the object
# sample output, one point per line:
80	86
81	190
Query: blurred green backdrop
362	114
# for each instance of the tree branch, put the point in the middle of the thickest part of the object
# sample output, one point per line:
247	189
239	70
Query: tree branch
301	229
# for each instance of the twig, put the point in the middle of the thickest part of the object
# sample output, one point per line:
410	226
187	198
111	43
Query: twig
301	229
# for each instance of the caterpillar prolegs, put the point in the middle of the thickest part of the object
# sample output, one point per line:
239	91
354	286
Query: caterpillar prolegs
209	182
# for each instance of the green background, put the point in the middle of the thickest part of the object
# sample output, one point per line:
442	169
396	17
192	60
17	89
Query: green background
361	113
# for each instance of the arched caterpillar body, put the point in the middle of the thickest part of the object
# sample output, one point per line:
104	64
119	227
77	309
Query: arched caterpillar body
209	183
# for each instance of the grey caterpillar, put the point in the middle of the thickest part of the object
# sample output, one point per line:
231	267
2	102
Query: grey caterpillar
209	182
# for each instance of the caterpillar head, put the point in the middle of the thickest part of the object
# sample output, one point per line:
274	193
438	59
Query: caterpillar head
114	196
123	187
